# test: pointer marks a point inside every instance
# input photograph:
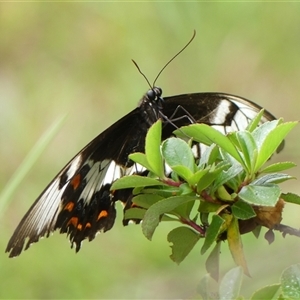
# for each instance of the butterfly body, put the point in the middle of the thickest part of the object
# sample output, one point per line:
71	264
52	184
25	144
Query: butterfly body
78	201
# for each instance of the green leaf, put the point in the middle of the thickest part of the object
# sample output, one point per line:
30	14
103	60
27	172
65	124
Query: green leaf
212	263
134	213
208	207
205	181
134	181
234	140
290	282
230	175
272	178
178	153
184	210
141	159
260	133
146	200
210	176
212	232
255	121
223	194
278	167
291	198
231	283
207	135
264	195
248	148
152	216
196	177
184	189
183	172
271	142
183	239
270	292
152	149
209	156
236	246
242	210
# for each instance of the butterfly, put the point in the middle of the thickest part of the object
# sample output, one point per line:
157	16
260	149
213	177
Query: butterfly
79	202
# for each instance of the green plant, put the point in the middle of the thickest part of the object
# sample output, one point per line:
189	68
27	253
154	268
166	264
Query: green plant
229	287
229	191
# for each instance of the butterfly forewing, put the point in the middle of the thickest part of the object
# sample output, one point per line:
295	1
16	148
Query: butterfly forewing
79	202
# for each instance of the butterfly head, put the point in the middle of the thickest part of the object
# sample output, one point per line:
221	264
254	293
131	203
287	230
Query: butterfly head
154	96
154	93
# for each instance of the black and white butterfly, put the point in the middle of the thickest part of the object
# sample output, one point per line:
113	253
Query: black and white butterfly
78	201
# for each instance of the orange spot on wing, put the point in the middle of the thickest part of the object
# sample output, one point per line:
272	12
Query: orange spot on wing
69	206
73	221
102	214
76	181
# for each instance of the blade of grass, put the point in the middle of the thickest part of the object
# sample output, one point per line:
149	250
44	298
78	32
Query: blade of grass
28	162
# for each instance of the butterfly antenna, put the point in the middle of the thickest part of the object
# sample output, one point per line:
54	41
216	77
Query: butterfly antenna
194	34
151	86
142	73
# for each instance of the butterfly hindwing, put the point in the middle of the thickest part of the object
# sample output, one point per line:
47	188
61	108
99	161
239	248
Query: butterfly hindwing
78	200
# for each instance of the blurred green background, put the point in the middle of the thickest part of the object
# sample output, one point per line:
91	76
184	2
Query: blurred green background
75	58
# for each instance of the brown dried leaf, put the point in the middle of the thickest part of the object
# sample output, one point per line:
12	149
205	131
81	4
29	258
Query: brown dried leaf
269	216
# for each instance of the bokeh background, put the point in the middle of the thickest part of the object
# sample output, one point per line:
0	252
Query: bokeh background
75	58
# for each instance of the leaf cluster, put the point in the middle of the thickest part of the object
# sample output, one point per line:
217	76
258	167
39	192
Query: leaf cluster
217	186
